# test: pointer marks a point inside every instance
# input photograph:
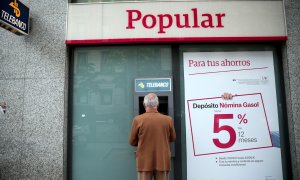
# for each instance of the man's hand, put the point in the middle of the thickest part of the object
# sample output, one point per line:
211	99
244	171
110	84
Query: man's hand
227	96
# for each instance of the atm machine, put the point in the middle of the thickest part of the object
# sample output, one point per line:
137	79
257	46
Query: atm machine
162	87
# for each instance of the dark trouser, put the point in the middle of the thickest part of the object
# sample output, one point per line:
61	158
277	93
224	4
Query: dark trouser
158	175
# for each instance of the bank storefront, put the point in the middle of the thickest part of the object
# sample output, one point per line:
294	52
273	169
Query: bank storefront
189	53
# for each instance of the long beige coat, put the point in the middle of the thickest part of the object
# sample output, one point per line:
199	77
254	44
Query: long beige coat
152	133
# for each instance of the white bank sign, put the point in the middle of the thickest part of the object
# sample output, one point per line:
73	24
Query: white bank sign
165	22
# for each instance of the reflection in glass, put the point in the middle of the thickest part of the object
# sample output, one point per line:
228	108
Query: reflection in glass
103	107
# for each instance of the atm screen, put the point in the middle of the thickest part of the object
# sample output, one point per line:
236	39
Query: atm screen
162	108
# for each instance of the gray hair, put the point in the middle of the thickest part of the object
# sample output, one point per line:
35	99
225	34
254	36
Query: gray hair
151	100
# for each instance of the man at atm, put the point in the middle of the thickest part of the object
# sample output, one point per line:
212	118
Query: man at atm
152	133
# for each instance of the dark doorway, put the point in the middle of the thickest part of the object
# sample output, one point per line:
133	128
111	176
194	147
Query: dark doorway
162	108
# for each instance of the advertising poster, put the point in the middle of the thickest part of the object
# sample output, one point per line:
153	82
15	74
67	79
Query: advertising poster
238	138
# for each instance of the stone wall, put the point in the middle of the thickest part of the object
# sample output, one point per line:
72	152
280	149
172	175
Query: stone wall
32	83
292	80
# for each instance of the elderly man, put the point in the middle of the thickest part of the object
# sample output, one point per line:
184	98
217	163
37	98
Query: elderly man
152	133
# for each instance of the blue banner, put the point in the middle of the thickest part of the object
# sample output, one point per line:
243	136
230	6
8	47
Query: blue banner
153	85
14	16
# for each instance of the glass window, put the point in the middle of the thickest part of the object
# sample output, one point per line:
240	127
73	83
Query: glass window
102	108
278	133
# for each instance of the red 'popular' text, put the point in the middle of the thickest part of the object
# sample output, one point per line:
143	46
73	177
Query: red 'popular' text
162	22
